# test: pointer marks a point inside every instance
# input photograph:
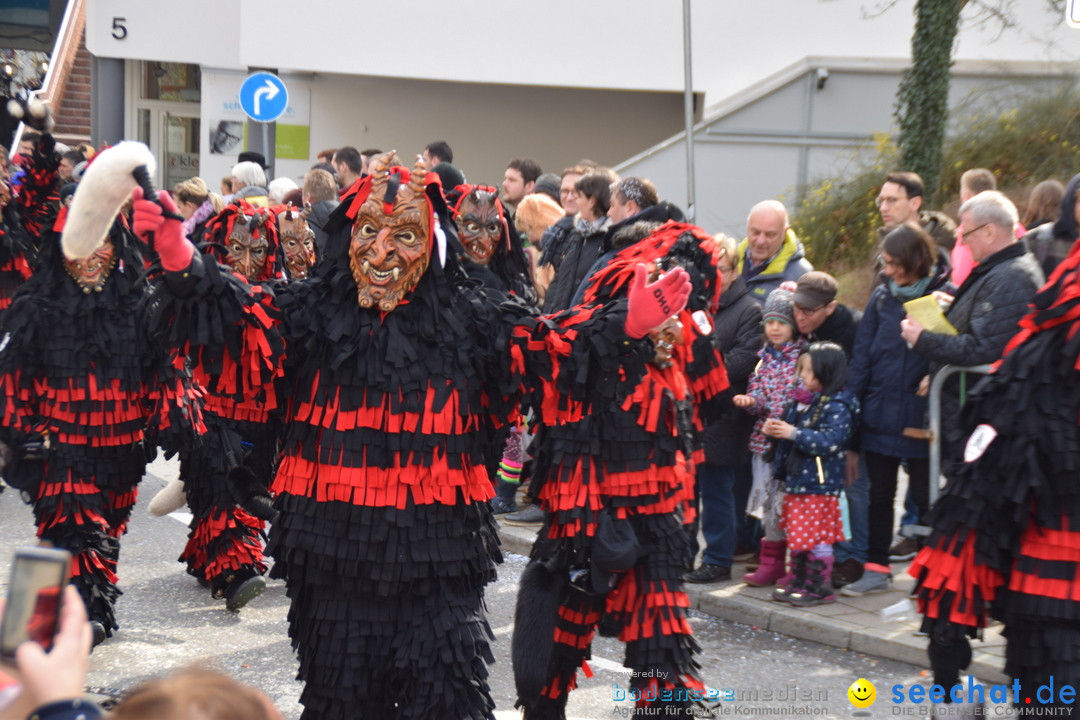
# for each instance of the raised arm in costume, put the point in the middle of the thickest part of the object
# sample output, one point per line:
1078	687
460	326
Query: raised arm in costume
614	474
85	395
236	459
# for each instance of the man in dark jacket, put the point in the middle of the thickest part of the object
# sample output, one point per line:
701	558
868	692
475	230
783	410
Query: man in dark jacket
819	317
723	480
771	252
986	307
570	279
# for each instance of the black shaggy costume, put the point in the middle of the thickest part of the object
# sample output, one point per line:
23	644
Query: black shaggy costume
614	464
385	538
17	253
224	547
1006	531
85	398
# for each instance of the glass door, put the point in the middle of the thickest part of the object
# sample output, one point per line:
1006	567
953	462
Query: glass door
181	148
166	100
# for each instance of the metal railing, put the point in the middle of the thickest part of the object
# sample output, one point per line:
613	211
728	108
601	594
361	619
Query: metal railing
935	435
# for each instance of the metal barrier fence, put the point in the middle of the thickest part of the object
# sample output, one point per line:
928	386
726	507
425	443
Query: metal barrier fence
935	435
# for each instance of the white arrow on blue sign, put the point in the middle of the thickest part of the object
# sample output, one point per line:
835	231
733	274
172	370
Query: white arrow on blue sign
263	97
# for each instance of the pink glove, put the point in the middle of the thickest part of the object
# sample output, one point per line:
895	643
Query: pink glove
163	234
651	305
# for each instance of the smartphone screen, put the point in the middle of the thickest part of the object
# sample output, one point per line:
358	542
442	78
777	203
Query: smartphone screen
32	612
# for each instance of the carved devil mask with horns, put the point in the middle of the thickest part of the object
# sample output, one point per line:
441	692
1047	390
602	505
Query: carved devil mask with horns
481	222
391	237
297	242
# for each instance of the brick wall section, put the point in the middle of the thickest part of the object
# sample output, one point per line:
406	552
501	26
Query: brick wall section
72	109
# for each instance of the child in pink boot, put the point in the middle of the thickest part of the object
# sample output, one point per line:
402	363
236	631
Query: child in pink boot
766	396
810	453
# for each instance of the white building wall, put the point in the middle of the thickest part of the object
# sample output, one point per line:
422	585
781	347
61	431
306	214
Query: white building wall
796	133
618	44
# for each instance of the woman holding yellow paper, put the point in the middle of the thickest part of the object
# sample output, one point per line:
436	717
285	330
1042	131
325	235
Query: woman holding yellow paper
885	377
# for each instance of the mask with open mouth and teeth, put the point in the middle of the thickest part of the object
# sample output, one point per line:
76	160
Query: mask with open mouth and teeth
297	242
248	249
480	222
665	338
390	247
91	273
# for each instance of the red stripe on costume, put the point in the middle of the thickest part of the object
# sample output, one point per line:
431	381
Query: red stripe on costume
236	531
941	571
1052	545
449	419
384	487
648	609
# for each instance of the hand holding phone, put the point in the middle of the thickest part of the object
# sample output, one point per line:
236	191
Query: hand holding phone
59	674
32	610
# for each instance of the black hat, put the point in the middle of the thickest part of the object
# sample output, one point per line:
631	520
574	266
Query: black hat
815	289
548	183
251	156
449	176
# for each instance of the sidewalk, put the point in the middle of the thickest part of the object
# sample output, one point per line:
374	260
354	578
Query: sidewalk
852	623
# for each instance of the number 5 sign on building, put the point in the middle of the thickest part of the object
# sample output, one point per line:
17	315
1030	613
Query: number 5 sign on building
1072	13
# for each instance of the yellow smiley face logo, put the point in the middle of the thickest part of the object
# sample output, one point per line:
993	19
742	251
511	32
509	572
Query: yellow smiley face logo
862	693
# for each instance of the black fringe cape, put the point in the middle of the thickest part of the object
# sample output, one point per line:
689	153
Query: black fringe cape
1006	531
78	369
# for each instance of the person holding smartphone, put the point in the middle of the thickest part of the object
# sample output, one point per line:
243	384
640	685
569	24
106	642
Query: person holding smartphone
51	683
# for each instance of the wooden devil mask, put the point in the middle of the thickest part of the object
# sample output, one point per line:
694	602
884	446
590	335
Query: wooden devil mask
297	242
390	246
481	223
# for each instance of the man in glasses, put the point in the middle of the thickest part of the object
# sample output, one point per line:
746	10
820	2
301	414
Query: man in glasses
818	316
986	307
901	200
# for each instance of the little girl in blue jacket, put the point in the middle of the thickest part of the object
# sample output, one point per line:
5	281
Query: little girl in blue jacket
810	456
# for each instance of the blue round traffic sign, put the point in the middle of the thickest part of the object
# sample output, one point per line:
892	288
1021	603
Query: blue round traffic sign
263	97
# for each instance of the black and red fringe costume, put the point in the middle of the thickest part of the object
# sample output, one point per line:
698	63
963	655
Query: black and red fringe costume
17	254
85	399
1006	530
620	446
385	537
224	547
38	197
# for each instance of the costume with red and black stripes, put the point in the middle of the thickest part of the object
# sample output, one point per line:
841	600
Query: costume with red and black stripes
224	547
1006	531
86	396
614	458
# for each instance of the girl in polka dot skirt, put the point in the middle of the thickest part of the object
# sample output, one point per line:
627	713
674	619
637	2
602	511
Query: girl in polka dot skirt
812	439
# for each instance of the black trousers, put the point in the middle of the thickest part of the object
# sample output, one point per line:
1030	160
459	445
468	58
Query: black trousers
882	470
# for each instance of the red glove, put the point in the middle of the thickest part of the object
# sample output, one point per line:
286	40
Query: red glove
651	305
163	234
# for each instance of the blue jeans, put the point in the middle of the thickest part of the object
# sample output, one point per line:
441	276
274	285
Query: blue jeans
716	485
858	499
